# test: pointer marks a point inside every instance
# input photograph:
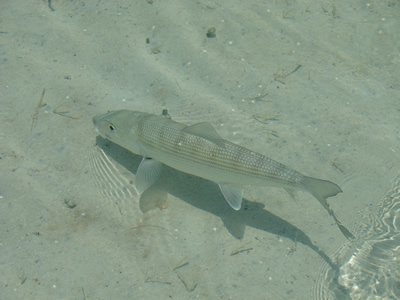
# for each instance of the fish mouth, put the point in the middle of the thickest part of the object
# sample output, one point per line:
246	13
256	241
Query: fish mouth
103	135
96	121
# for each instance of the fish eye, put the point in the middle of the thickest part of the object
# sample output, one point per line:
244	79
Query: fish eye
112	127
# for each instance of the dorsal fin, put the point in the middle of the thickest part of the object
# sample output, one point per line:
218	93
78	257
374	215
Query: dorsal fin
206	131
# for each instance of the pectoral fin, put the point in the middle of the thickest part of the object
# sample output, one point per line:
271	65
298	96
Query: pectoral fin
148	172
232	194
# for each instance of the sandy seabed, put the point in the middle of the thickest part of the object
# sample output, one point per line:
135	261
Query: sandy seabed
312	84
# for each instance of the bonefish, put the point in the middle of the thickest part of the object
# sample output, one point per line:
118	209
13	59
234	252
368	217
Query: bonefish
199	150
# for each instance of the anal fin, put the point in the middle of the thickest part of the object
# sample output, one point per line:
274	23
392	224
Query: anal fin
232	194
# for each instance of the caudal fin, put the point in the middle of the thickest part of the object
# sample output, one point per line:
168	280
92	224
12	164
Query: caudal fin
322	189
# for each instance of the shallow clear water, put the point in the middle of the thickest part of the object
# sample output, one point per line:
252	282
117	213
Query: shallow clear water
313	85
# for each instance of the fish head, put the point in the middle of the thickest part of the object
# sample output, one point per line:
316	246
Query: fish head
118	127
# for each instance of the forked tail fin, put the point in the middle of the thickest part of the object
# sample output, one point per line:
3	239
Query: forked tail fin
322	189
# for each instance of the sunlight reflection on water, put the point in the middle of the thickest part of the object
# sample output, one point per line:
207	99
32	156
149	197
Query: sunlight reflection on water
372	267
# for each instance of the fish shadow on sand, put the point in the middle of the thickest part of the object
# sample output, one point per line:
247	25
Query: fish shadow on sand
206	195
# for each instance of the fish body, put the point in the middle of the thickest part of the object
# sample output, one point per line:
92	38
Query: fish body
199	150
